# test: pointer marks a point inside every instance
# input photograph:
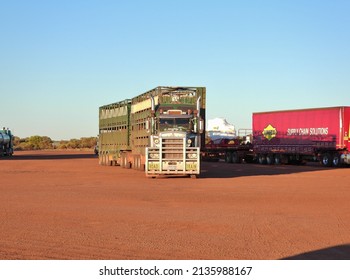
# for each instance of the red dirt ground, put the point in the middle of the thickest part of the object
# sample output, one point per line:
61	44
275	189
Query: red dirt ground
63	205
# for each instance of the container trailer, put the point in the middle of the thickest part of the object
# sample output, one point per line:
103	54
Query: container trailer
6	142
301	135
159	131
291	136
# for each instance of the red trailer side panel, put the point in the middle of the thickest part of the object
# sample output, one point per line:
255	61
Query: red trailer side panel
312	129
347	127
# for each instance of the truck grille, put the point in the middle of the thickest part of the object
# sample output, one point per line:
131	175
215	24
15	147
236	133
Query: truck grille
172	157
172	149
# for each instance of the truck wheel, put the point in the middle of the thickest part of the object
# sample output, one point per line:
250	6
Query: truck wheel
228	157
235	157
336	160
326	160
270	159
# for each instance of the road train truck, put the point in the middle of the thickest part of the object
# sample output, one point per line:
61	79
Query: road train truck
160	131
302	135
6	142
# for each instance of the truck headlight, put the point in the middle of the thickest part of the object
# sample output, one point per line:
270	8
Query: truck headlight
189	141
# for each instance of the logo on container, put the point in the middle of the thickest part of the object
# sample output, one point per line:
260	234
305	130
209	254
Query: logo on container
269	132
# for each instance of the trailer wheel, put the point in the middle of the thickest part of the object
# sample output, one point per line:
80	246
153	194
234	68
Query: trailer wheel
137	162
278	159
235	157
326	160
122	160
262	159
228	157
103	161
336	160
127	164
270	159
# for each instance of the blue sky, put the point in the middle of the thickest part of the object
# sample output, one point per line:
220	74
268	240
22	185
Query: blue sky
61	60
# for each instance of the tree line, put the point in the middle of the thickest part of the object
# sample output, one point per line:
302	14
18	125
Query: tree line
44	142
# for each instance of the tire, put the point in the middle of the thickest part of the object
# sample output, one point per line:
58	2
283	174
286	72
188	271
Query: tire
278	159
262	159
326	160
137	162
228	157
122	160
336	162
127	164
270	159
134	162
235	157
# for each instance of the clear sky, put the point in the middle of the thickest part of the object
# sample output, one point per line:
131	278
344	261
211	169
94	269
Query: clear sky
61	60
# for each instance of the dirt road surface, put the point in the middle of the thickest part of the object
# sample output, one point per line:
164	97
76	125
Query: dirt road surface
63	205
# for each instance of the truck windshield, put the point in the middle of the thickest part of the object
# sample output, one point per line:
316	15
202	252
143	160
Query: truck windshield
174	124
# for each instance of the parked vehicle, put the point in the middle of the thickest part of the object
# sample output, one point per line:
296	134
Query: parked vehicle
6	142
233	149
302	135
160	131
291	136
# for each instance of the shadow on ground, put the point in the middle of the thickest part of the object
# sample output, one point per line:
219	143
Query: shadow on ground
341	252
227	170
51	156
218	169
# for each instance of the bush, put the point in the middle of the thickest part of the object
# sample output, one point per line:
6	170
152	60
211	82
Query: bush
43	142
